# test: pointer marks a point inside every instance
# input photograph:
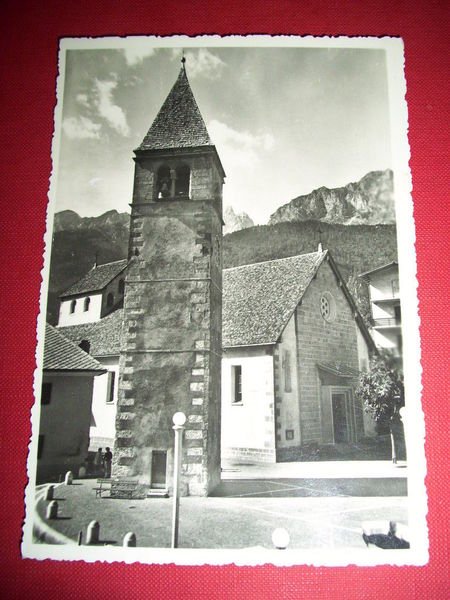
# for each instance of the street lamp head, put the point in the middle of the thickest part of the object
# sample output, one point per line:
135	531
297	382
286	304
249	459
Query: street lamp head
179	419
280	538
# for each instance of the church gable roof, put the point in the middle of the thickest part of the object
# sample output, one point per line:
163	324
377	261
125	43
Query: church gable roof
258	299
61	354
96	279
179	123
103	336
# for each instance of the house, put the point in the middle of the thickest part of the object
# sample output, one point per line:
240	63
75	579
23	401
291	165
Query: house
102	340
88	314
384	292
293	345
94	296
65	406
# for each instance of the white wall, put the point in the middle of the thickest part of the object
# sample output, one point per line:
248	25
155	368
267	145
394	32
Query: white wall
80	316
113	288
64	423
381	284
363	359
288	396
103	420
249	426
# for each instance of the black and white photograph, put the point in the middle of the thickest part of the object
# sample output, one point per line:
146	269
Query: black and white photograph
228	342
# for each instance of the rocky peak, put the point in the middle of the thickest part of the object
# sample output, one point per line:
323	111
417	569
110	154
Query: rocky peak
235	221
367	201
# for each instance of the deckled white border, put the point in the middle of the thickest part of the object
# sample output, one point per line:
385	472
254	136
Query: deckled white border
415	431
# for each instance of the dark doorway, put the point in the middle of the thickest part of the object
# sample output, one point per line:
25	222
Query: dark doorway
159	464
340	425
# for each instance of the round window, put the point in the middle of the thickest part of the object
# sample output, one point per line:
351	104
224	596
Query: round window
327	306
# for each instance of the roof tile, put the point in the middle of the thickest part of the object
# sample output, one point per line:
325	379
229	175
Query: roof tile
61	354
258	299
96	279
179	123
104	336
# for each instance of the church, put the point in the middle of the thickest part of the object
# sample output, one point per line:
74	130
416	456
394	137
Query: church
261	358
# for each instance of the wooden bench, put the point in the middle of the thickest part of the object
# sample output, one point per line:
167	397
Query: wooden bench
104	485
123	487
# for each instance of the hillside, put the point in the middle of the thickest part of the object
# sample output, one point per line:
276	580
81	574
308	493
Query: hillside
368	201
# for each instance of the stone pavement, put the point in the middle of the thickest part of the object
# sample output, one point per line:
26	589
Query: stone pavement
242	519
320	469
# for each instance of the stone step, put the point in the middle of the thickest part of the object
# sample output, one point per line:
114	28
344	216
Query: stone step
157	493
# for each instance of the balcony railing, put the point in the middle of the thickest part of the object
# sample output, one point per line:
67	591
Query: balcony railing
387	322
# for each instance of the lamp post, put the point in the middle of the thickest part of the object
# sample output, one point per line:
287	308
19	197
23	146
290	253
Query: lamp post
179	419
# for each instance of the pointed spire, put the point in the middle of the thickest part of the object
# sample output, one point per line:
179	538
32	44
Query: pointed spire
179	123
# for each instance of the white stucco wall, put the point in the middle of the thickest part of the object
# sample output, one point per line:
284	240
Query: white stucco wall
363	358
80	316
287	388
363	350
113	288
248	428
384	284
64	424
103	419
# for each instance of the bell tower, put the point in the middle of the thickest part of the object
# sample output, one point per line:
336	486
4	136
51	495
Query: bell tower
171	352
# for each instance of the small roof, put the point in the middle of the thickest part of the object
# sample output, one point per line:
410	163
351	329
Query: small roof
103	336
378	269
61	354
179	123
96	279
258	299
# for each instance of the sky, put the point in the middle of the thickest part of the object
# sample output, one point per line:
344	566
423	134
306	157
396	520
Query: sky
285	121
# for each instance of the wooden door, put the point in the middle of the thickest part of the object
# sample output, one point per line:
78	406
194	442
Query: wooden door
340	423
159	464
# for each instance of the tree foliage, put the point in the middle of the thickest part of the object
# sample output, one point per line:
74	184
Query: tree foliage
381	390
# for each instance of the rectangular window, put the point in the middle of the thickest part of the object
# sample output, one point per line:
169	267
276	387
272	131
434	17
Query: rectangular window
110	387
287	371
236	382
40	446
46	393
289	434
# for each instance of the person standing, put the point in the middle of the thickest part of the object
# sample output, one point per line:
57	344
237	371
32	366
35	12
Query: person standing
107	460
98	462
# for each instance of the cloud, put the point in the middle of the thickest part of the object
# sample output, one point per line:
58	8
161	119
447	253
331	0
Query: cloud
83	99
202	63
136	51
239	148
79	128
112	113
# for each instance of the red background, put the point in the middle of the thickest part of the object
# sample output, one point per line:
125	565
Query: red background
28	63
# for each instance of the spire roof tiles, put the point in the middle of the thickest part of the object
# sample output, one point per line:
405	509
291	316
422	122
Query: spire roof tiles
179	123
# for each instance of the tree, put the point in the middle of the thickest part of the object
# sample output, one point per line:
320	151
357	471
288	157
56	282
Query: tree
381	391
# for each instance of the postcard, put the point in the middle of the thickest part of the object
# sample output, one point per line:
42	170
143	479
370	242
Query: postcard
228	347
